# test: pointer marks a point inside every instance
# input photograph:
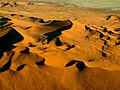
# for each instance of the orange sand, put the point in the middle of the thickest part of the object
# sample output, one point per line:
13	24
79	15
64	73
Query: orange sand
37	42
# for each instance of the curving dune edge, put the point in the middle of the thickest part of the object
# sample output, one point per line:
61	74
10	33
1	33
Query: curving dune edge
61	50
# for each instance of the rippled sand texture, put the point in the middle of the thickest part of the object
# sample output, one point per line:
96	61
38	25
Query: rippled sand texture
58	48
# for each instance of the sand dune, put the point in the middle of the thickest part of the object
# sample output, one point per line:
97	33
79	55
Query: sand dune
69	53
113	18
8	4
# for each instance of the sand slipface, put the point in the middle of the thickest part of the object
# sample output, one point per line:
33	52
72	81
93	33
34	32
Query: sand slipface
58	48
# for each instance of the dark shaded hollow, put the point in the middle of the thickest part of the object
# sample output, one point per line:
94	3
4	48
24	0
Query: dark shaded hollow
71	63
104	54
88	28
91	60
108	17
40	62
58	42
31	45
8	40
110	32
3	26
15	3
117	29
2	23
13	14
37	19
118	43
105	42
103	48
26	51
105	29
108	38
118	38
101	35
7	65
5	4
87	36
21	16
11	38
5	19
21	67
26	27
81	65
31	3
58	32
70	47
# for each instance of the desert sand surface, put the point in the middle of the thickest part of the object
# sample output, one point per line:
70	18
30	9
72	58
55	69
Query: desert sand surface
45	47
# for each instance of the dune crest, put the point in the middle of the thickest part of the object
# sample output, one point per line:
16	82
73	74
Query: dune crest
8	4
58	48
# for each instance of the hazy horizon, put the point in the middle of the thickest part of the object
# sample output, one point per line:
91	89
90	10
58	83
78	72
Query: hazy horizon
111	4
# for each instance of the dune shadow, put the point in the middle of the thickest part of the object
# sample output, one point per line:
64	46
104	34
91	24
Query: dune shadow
79	64
7	41
21	67
7	65
58	32
4	19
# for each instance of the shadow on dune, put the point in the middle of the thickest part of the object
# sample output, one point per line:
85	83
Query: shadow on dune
4	19
8	3
79	64
7	65
58	32
7	41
